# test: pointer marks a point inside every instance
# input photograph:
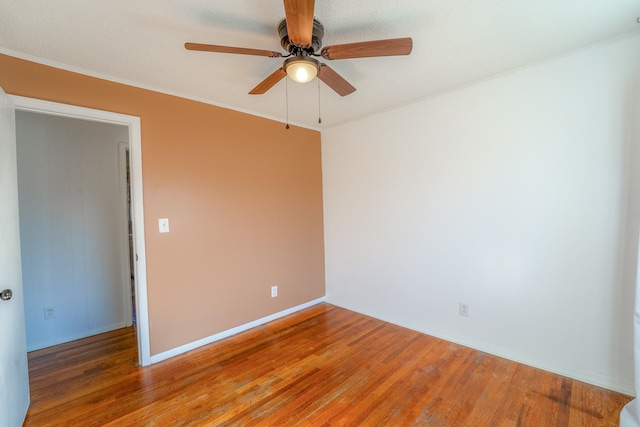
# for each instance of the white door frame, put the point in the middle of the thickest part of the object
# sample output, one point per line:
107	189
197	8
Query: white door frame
135	153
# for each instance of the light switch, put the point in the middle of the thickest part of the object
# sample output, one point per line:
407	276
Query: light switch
163	225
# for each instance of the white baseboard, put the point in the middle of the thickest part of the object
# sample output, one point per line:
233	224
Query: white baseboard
229	332
69	338
603	381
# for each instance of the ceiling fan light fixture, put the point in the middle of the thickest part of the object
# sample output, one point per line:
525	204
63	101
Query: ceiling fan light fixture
301	69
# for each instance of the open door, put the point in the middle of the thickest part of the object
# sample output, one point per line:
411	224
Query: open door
14	374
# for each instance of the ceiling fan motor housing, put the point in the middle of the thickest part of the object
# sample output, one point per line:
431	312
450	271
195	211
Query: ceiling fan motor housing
316	38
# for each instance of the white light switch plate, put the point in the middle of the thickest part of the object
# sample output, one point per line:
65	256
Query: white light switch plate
163	225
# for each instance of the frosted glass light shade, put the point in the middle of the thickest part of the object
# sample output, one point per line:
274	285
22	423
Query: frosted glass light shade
302	70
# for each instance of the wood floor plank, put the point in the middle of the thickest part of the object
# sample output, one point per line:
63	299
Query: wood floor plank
323	366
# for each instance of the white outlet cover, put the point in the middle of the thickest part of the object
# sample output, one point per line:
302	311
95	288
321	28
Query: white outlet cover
464	309
163	225
274	291
49	312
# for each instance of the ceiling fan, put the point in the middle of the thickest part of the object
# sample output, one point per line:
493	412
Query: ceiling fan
301	35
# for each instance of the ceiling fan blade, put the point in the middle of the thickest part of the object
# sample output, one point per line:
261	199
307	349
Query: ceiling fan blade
229	49
268	83
335	81
299	15
388	47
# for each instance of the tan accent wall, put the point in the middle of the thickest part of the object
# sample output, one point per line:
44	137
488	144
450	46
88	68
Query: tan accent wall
243	196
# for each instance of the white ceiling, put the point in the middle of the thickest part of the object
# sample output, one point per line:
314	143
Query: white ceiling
456	42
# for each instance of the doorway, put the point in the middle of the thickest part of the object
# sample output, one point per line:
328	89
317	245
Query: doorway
72	227
132	125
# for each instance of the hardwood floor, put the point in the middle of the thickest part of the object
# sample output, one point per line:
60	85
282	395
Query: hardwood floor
324	366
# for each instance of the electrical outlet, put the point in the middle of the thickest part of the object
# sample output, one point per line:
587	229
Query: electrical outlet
49	312
274	291
464	309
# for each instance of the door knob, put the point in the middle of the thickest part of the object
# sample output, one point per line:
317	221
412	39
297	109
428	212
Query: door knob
6	294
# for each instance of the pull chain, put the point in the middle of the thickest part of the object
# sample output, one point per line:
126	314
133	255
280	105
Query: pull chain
286	92
319	118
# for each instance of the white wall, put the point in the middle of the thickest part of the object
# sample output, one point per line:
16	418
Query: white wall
71	227
512	195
